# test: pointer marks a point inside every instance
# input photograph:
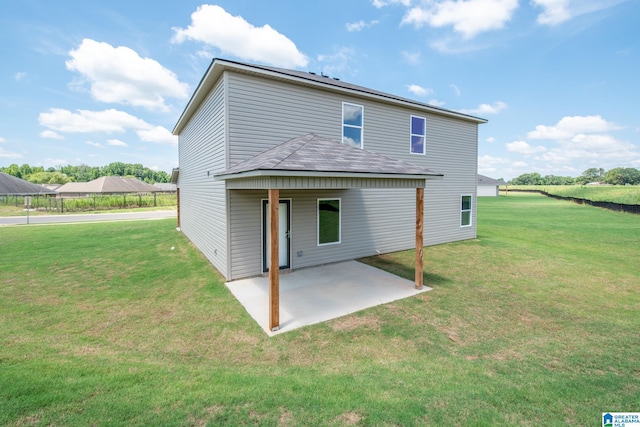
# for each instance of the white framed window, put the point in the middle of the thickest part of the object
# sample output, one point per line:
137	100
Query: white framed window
466	201
352	124
329	221
418	135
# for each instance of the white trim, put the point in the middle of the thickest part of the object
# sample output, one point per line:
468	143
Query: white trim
470	210
339	199
352	126
262	232
411	135
314	174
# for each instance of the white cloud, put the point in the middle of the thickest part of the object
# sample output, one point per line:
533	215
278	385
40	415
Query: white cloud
360	25
484	109
338	63
50	134
604	150
490	139
116	143
555	12
120	75
157	134
571	126
108	121
2	140
94	144
419	90
382	3
84	121
19	76
412	58
488	164
436	103
212	25
8	154
467	17
455	88
522	147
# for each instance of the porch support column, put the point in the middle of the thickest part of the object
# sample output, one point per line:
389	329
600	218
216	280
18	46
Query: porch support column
419	235
274	262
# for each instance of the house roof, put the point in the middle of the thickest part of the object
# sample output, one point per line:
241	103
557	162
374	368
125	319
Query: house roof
165	186
485	180
10	184
218	66
315	156
109	184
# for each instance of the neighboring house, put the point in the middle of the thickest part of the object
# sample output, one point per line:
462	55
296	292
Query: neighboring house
165	187
11	185
488	186
106	185
354	171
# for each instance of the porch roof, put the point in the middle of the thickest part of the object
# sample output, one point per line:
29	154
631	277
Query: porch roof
311	159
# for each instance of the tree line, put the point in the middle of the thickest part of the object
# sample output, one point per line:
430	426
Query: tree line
84	173
615	176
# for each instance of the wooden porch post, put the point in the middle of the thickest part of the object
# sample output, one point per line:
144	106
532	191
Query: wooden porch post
274	262
419	235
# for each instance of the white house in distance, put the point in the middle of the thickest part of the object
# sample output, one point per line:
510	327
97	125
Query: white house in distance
284	169
488	186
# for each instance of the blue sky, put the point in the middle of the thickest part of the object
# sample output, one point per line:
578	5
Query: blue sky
93	82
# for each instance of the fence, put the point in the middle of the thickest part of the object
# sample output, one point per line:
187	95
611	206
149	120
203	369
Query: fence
619	207
92	203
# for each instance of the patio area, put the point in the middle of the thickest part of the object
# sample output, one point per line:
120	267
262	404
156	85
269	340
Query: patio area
316	294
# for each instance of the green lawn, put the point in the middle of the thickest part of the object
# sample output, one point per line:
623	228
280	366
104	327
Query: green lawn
626	194
534	323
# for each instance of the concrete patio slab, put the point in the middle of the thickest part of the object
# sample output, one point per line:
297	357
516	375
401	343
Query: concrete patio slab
316	294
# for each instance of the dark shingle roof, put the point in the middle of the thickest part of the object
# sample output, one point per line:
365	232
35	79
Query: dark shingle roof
485	180
9	184
314	154
109	184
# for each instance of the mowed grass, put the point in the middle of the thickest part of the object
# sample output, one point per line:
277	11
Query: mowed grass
625	194
534	323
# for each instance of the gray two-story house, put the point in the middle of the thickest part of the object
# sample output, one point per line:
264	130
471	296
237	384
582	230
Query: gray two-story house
355	171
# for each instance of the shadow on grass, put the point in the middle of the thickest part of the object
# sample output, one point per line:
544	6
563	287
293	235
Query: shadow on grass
404	270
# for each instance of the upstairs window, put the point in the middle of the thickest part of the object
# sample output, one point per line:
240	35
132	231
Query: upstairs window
465	211
352	124
418	134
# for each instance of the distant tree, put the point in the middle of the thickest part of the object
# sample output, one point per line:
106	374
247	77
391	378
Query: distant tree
25	170
533	178
623	176
48	178
13	170
591	175
84	173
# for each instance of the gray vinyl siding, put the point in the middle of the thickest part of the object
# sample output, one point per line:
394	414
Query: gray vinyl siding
246	115
203	213
367	226
264	113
